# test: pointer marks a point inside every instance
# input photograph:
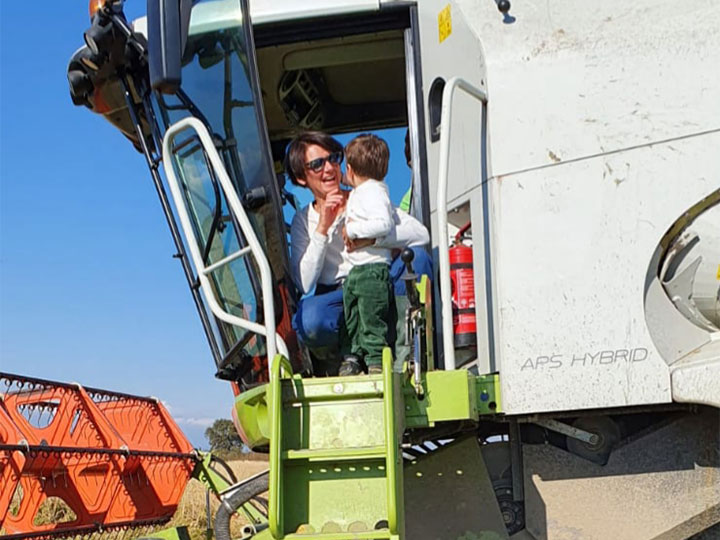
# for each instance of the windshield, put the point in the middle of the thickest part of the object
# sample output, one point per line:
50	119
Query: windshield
218	87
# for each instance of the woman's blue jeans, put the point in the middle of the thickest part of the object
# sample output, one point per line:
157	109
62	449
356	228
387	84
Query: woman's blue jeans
319	318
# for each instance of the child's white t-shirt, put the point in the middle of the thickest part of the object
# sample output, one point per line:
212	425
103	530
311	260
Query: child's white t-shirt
369	214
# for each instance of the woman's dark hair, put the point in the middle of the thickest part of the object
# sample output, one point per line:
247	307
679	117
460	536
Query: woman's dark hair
295	154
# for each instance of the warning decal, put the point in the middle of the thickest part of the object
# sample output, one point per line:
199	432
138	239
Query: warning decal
444	23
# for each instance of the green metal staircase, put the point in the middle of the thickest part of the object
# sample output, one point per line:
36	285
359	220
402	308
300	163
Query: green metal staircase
336	469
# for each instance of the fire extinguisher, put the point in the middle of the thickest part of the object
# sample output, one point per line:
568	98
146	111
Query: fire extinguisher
463	291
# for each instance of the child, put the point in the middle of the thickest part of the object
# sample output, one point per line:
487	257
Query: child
367	292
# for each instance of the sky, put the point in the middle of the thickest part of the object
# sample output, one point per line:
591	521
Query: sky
89	290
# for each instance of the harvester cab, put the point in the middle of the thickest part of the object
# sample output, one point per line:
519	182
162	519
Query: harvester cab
574	222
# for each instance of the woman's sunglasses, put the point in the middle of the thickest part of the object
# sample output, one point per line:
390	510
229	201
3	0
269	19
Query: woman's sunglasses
316	165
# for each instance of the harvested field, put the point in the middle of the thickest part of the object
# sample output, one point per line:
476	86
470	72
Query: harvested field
192	512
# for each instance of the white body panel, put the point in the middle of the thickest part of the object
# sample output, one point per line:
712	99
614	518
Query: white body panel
459	54
578	78
602	131
573	249
604	124
265	11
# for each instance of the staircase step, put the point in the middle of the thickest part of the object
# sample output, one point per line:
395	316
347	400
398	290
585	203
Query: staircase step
329	436
337	454
329	389
380	534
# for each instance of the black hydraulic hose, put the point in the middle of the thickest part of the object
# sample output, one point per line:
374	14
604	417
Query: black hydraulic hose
217	214
230	478
253	487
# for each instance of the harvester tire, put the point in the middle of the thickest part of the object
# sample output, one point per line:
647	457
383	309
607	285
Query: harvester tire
246	491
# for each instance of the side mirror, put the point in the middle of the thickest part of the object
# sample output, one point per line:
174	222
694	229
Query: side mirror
168	23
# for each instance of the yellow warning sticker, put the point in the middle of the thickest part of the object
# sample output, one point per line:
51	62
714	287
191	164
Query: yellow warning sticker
718	274
444	23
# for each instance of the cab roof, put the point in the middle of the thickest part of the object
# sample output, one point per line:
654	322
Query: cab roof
268	11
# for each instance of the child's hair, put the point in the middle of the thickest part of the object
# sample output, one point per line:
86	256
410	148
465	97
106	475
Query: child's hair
368	155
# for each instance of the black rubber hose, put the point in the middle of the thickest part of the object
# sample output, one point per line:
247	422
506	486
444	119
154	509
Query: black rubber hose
253	487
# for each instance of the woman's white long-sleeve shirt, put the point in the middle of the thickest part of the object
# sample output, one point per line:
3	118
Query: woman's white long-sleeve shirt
317	258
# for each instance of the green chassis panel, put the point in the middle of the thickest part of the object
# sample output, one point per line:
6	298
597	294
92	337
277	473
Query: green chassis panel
448	396
336	469
451	395
335	462
175	533
250	415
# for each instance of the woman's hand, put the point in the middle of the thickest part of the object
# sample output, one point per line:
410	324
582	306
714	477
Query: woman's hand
329	208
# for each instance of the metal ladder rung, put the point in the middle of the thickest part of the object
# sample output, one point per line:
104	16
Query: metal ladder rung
311	400
351	390
339	454
380	534
230	258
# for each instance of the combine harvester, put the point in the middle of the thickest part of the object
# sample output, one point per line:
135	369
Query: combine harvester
576	141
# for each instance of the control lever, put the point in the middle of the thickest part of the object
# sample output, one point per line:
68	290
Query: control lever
503	6
410	277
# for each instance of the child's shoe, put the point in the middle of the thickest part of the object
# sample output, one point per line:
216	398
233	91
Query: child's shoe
375	369
350	366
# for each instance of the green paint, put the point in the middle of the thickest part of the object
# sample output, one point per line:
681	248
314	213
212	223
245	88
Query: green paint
393	412
211	479
487	389
406	200
174	533
424	291
451	395
425	297
335	461
251	413
279	367
336	469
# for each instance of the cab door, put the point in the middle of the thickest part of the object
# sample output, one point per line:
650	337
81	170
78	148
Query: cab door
450	49
220	89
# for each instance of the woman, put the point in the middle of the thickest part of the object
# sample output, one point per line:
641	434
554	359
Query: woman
317	251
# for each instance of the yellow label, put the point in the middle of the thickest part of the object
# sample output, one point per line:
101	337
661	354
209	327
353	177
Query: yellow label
444	23
718	274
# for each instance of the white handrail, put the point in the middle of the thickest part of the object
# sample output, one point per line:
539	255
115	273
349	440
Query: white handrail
227	260
442	225
274	341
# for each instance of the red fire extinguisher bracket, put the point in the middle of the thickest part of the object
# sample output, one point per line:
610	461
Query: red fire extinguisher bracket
462	281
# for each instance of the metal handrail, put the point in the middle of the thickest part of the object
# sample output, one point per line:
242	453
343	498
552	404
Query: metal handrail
442	224
275	343
279	369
